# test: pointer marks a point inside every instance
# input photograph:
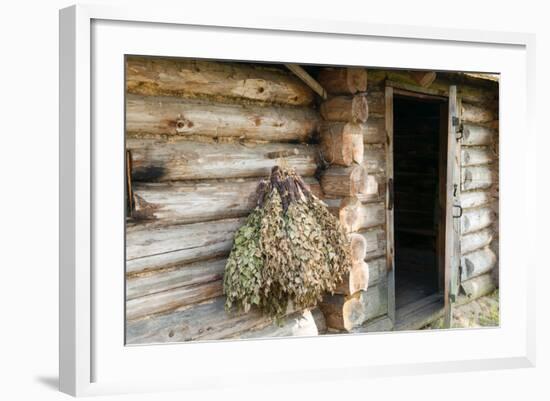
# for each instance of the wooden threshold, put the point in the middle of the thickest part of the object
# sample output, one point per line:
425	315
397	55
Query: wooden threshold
420	313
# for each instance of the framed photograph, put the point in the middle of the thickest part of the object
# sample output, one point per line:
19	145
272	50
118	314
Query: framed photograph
246	190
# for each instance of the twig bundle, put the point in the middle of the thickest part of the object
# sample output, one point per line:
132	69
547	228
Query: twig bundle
290	249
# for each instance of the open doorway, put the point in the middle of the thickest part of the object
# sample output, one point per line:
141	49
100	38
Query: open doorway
419	132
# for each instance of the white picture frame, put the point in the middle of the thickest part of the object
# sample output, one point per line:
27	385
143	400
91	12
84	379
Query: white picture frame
93	358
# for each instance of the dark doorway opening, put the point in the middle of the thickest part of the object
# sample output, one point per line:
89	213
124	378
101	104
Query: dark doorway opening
420	126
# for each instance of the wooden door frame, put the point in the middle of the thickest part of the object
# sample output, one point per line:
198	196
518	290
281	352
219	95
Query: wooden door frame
391	89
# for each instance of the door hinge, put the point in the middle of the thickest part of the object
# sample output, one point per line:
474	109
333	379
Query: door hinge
390	194
459	129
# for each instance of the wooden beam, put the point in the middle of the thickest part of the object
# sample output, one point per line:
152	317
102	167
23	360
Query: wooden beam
308	79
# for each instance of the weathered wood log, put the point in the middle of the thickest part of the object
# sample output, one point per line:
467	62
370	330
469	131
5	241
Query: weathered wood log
154	248
478	114
301	73
377	104
376	244
358	245
423	78
477	287
476	240
475	198
377	272
298	324
374	159
476	156
477	263
476	219
343	80
205	321
195	201
218	80
477	135
320	321
192	274
165	301
339	181
355	215
172	116
382	323
477	177
160	160
374	131
358	277
342	143
347	313
352	109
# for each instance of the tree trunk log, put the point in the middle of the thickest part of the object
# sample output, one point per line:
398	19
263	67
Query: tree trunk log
376	243
374	159
358	245
476	219
476	135
343	80
356	216
295	325
475	199
477	177
476	156
342	143
477	287
377	104
154	248
195	201
160	160
376	272
476	240
478	114
375	131
352	109
477	263
423	78
173	116
344	181
218	80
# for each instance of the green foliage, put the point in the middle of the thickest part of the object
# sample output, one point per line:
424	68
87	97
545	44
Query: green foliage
291	250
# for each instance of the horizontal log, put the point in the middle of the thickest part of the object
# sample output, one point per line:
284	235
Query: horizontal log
477	114
477	135
344	313
298	324
153	248
195	201
355	215
476	240
341	143
172	299
476	219
382	323
352	109
339	181
374	159
477	177
375	131
377	270
358	245
477	263
377	104
375	191
475	198
477	287
191	274
178	159
423	78
343	80
376	243
474	156
205	321
218	80
173	116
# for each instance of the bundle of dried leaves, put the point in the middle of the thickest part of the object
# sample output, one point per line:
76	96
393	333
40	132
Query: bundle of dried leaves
290	250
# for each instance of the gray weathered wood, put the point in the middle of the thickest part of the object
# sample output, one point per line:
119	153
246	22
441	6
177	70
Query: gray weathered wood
475	198
377	270
355	215
472	156
307	79
153	248
192	274
214	80
343	80
374	159
353	109
176	117
378	324
477	114
477	263
377	104
390	236
477	177
477	219
376	242
195	201
478	287
299	324
179	159
477	135
424	78
374	131
476	240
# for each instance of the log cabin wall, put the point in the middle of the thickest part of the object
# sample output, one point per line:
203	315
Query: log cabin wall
200	134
